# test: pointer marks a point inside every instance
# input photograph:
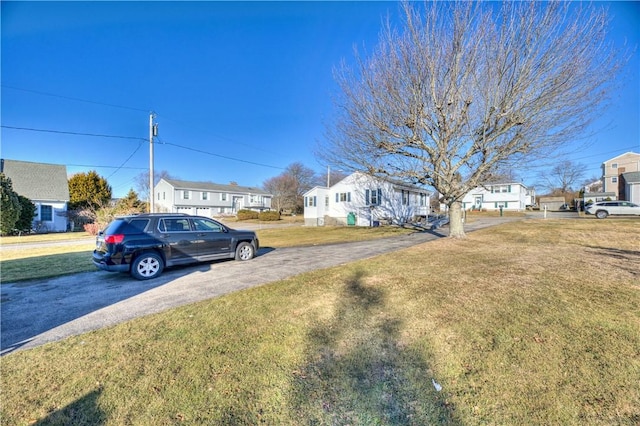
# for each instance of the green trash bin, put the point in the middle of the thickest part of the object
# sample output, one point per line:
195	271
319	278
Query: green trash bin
351	219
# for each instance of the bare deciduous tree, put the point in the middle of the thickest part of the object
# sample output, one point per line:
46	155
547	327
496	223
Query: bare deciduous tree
287	188
141	182
563	178
466	89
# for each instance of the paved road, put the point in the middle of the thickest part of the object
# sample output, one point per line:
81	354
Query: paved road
45	311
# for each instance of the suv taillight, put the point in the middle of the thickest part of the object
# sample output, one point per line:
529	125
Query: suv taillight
114	239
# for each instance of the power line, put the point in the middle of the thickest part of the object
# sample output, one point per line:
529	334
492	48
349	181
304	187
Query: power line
74	99
222	156
29	129
125	161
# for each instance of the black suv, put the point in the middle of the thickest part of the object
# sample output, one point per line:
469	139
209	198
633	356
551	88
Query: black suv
144	244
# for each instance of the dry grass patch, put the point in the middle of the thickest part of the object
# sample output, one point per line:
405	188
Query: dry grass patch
313	235
520	324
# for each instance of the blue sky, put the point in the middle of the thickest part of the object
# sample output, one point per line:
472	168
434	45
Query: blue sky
241	89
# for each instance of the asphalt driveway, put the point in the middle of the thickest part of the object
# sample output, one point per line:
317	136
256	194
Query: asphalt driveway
45	311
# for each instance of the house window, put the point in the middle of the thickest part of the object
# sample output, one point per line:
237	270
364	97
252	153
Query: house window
501	188
310	201
185	195
223	197
164	195
326	201
46	213
614	180
205	195
614	165
373	197
405	197
158	195
341	197
423	198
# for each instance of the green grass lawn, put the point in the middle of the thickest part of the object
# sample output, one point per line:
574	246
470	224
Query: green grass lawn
535	322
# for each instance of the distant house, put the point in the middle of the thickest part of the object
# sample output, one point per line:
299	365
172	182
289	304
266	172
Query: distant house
632	186
613	174
511	196
208	199
363	200
46	185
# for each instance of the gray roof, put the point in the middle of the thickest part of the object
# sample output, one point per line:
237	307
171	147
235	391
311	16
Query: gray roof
631	177
215	187
37	181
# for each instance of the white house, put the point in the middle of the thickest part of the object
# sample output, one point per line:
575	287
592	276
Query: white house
508	196
47	187
207	199
363	200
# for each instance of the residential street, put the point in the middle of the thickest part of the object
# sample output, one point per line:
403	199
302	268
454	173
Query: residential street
40	312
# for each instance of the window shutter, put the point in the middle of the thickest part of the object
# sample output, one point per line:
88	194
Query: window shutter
337	197
315	201
349	197
306	201
492	191
366	197
379	196
509	188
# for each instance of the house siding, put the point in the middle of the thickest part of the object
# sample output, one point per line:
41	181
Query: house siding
370	200
510	196
632	186
220	199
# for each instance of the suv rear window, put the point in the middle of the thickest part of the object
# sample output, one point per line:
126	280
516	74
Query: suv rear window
124	226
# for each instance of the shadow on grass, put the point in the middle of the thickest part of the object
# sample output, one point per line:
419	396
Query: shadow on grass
84	411
629	260
359	372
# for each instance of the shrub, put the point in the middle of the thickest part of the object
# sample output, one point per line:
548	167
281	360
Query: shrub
270	215
92	228
247	214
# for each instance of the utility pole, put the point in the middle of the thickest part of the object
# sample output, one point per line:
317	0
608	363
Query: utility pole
153	131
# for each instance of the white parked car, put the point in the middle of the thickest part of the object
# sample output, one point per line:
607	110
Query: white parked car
603	209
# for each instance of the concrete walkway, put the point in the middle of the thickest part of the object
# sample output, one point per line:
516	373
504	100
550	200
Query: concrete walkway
49	310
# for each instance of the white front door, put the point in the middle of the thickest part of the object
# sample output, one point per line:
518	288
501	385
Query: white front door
238	204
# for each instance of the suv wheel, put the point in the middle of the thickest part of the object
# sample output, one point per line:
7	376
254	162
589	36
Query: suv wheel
244	251
601	214
146	266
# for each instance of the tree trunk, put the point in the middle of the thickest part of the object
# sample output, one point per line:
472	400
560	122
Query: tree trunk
456	226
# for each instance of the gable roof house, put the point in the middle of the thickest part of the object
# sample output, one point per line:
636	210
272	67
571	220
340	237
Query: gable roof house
47	187
208	199
613	174
510	196
364	200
